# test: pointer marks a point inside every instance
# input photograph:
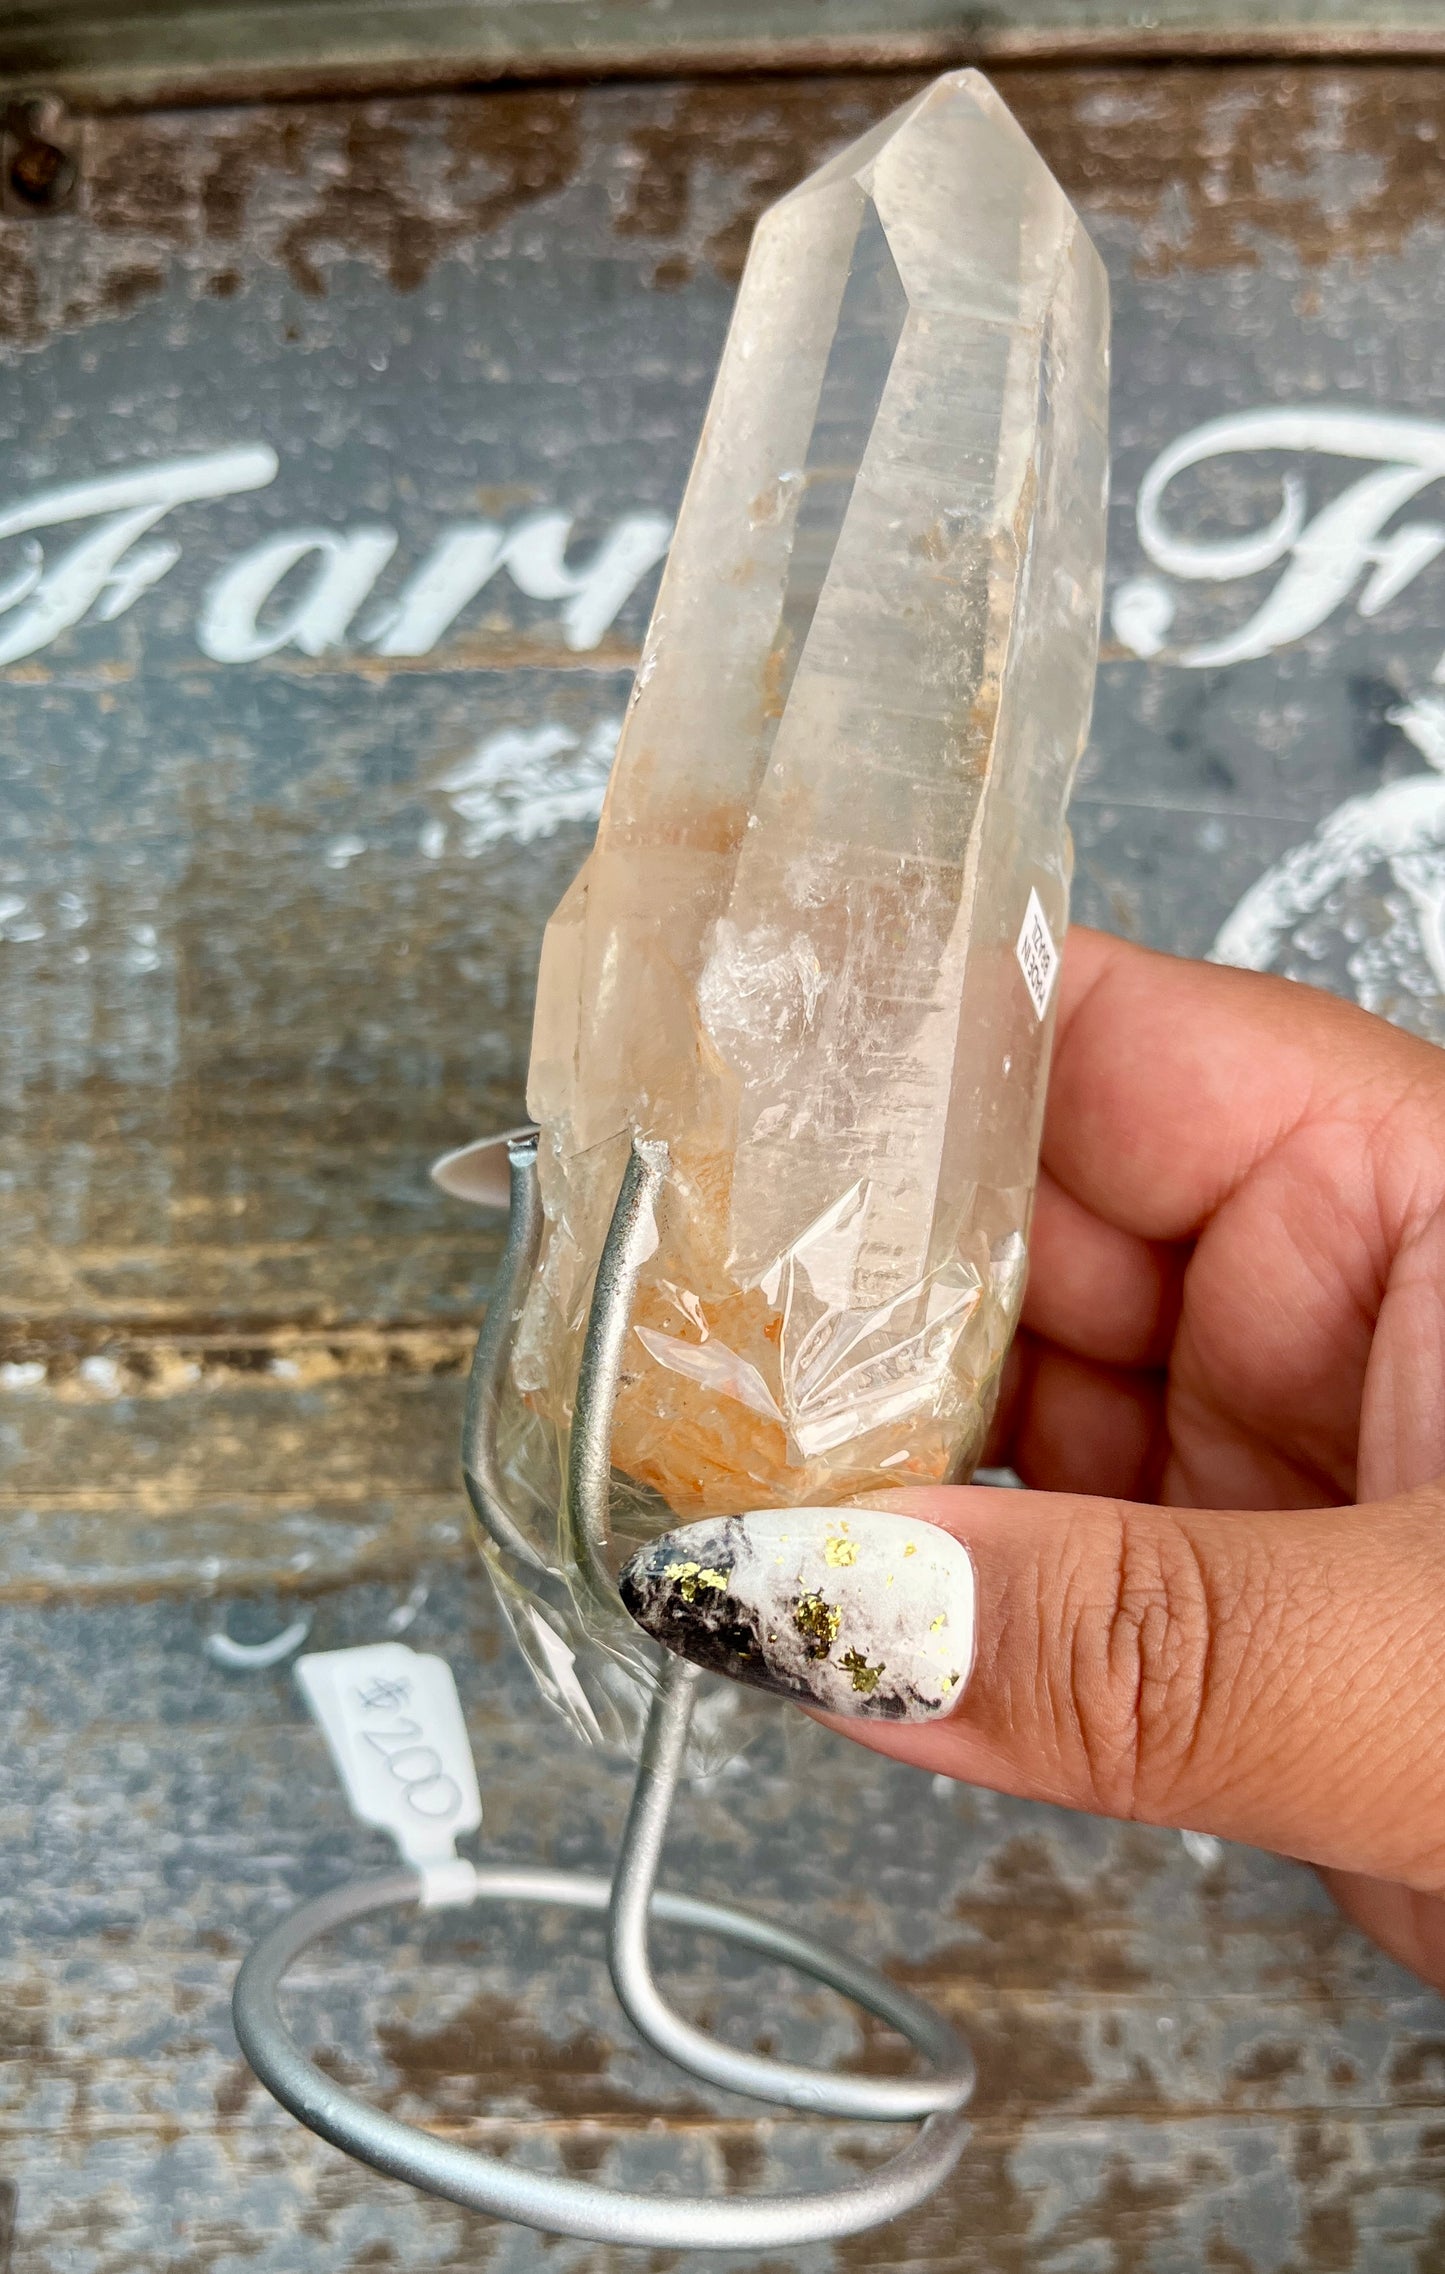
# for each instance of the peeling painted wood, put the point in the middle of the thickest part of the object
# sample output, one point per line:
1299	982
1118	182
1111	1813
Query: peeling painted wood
270	926
276	930
1180	2067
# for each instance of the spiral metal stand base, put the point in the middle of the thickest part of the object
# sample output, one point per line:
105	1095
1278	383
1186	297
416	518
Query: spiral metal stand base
631	1900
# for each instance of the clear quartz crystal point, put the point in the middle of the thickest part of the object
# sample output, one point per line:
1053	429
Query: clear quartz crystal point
813	948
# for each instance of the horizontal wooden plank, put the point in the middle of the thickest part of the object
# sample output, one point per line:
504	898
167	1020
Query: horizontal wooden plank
292	1542
98	52
1180	2064
1172	2196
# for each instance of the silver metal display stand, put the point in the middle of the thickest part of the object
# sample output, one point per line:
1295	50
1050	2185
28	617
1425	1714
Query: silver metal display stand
631	1899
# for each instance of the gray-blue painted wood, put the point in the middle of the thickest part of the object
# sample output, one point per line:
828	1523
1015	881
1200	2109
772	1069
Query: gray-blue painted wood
270	921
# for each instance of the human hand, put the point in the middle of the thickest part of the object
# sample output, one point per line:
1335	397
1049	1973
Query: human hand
1221	1603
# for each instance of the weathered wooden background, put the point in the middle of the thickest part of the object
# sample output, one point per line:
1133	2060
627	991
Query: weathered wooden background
269	921
108	51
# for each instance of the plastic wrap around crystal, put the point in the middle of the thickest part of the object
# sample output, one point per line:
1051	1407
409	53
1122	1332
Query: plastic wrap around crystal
813	949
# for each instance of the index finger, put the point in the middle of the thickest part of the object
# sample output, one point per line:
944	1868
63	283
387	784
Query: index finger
1173	1080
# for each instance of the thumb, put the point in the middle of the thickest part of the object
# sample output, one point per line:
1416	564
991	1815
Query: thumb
1273	1677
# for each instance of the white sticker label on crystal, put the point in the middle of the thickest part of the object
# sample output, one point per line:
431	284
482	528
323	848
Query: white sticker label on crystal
1038	957
393	1722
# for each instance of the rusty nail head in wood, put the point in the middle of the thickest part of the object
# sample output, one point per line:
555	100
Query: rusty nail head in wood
40	172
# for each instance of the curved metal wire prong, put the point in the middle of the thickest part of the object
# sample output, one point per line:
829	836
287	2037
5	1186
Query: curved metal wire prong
823	2092
631	1239
481	1466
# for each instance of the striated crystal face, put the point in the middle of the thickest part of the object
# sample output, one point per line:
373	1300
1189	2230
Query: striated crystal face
813	948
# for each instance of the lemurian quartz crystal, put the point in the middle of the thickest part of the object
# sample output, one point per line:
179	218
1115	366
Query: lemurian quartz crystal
813	950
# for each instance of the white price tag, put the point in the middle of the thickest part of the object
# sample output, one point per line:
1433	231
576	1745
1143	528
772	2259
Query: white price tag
393	1722
1038	957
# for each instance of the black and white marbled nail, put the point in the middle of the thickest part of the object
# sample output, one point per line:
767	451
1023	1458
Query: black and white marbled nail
856	1610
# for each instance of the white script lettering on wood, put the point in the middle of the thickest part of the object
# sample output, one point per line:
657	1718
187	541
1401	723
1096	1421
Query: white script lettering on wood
107	569
300	588
1328	554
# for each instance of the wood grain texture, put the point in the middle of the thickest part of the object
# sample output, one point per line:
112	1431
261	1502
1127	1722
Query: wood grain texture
231	1041
102	52
1180	2067
268	931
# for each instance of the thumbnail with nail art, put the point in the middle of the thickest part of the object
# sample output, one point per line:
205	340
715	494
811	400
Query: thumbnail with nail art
856	1610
